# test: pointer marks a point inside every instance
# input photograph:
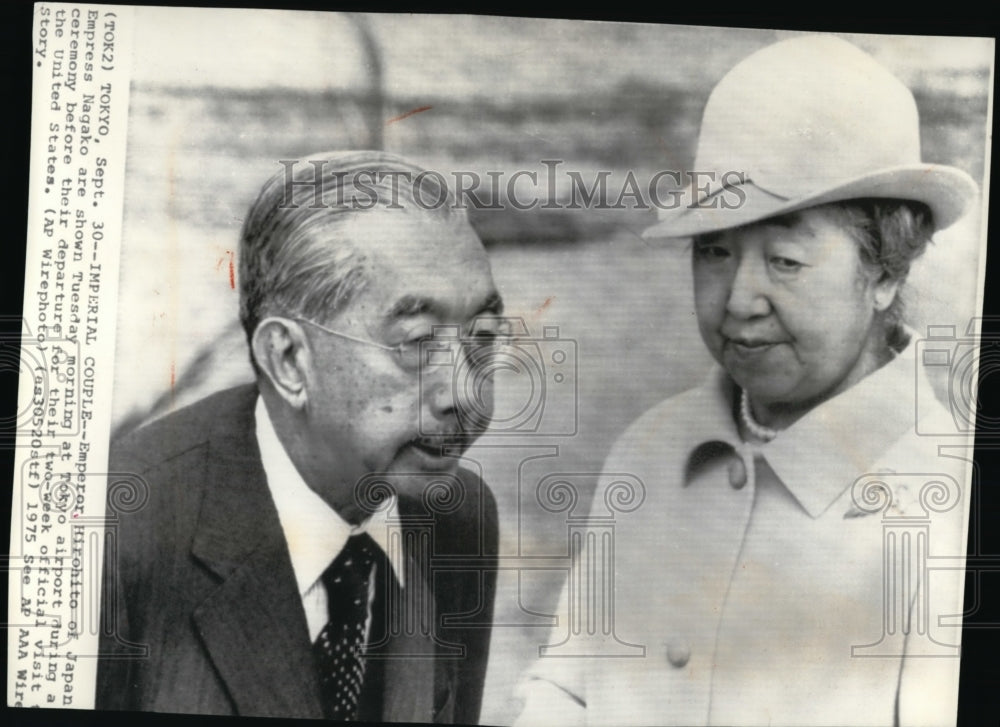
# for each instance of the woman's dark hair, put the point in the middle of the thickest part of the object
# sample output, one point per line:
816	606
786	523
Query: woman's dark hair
891	234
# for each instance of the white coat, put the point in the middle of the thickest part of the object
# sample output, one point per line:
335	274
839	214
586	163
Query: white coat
771	589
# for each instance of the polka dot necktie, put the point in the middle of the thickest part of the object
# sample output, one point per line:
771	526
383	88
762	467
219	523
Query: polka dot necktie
339	648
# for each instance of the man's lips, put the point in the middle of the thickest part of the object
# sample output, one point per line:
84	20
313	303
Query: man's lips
440	445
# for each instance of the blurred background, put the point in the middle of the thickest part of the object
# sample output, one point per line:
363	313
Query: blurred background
219	96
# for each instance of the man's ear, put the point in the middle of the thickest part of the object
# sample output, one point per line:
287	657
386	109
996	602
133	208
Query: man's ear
283	356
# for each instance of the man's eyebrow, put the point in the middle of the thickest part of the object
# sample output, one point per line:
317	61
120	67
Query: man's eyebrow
413	305
493	304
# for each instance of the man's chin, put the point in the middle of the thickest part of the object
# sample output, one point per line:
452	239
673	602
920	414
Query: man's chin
417	474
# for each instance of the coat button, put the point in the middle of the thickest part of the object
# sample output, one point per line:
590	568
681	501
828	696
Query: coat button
678	654
737	473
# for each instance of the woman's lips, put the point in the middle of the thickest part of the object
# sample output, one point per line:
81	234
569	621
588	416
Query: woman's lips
750	348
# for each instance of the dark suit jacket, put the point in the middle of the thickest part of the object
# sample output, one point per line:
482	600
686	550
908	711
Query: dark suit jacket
201	612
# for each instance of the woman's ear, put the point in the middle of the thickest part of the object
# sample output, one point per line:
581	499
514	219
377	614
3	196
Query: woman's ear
885	292
283	356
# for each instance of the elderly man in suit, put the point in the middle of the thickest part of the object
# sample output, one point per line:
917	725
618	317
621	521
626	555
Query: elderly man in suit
282	562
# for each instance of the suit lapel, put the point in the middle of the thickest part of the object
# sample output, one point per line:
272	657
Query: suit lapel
253	625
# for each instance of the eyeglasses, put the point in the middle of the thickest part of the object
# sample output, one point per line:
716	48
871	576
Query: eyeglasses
417	353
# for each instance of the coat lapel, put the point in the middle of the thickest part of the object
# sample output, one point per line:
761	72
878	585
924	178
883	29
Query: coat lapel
253	625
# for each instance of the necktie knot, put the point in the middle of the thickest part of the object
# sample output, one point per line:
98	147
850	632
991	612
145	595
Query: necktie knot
352	566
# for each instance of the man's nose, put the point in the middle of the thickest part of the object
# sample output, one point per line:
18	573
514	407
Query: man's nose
458	382
748	291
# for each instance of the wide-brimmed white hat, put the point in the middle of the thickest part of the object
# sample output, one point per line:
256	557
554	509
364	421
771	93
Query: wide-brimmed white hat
804	122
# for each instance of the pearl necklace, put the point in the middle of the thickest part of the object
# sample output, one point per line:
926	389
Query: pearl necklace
764	434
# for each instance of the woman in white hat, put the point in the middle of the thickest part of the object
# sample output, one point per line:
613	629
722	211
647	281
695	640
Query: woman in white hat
781	569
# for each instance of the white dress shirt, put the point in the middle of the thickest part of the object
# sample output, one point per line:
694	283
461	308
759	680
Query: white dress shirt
313	530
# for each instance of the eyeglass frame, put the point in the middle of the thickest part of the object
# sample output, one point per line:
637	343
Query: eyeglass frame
398	349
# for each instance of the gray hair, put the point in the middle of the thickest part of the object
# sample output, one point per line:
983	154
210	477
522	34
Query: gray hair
891	234
293	257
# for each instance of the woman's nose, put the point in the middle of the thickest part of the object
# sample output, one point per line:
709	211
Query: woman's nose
748	291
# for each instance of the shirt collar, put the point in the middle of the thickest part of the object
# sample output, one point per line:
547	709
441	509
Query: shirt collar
824	452
314	531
